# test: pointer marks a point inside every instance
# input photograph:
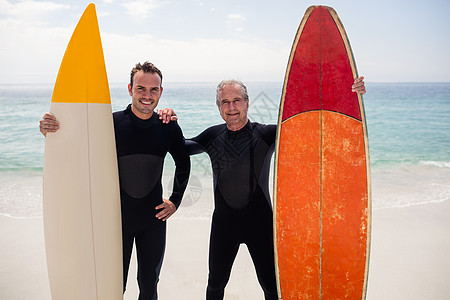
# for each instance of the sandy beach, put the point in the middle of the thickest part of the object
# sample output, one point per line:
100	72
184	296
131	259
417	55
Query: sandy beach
409	258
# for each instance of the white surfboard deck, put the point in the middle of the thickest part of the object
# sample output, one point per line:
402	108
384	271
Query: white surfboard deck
81	202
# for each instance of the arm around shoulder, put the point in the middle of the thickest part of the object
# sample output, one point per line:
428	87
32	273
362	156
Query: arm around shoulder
182	166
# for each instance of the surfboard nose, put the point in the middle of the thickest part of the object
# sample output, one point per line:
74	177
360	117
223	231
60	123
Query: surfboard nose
320	60
82	74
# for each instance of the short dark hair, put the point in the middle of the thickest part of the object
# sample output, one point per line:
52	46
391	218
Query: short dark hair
147	67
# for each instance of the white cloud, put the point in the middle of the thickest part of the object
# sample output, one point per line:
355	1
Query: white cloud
234	22
32	54
236	17
28	43
34	35
197	60
142	8
27	9
199	2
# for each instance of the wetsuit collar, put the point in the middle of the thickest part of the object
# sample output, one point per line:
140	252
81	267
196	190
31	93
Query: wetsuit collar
246	127
138	122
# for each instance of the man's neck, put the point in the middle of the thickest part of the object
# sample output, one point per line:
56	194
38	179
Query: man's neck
236	127
139	114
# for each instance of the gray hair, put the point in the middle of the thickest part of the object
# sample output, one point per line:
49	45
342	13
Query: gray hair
223	83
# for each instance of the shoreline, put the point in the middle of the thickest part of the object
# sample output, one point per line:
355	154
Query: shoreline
408	260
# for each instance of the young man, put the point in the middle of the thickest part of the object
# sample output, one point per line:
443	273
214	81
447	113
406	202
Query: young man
142	141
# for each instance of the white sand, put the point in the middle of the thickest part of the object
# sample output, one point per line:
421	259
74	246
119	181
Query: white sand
410	253
409	259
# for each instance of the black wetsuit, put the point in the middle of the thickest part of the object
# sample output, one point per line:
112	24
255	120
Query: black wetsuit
141	148
243	211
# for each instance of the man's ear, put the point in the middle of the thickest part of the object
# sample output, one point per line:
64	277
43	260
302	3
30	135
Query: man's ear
129	90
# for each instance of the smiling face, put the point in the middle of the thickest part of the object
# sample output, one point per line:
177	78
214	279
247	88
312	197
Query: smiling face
145	93
233	106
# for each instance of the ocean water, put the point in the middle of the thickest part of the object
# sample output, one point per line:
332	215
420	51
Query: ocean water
408	126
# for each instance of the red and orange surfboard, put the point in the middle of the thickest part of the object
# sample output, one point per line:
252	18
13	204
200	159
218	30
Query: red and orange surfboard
322	214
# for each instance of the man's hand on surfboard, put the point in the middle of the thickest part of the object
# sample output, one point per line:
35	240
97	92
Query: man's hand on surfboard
167	210
359	86
48	124
166	115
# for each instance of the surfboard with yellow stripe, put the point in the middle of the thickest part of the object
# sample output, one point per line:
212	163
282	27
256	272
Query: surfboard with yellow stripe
82	220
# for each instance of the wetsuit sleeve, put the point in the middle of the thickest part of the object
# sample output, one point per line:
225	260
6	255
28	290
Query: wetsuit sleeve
182	166
271	134
194	147
198	144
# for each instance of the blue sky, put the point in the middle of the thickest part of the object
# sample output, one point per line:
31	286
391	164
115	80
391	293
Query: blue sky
200	40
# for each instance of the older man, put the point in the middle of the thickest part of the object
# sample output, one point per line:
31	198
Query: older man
240	153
